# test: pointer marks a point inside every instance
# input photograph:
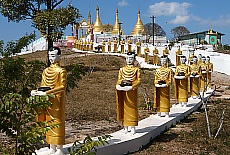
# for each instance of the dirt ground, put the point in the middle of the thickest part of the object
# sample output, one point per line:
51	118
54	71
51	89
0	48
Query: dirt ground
91	108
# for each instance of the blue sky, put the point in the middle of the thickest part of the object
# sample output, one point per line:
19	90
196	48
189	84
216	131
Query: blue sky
196	15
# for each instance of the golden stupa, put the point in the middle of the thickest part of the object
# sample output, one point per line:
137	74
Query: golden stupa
97	27
116	25
139	27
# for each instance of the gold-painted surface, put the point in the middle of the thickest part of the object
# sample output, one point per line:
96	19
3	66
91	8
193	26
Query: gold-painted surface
55	78
109	46
195	82
103	46
146	50
91	46
178	52
155	56
209	75
138	44
122	46
182	86
165	52
162	95
139	27
203	79
127	110
190	59
97	27
115	46
116	25
129	45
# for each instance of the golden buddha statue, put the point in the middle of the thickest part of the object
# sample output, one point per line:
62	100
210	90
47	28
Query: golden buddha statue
129	45
178	54
138	44
109	45
88	45
199	59
203	78
182	78
54	78
146	50
91	45
122	42
155	56
115	45
195	70
191	57
210	70
162	84
126	95
165	51
85	45
81	45
103	45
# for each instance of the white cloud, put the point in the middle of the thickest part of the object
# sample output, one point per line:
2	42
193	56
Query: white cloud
122	3
169	9
179	20
222	21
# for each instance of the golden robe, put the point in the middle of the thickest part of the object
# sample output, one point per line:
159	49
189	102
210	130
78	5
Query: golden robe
129	45
203	79
138	44
85	46
209	74
195	82
109	46
162	94
103	46
88	46
91	46
199	62
115	45
55	78
155	56
146	54
126	101
182	85
190	59
165	52
178	53
122	46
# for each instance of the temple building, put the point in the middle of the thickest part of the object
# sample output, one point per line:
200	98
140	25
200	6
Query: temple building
205	37
97	32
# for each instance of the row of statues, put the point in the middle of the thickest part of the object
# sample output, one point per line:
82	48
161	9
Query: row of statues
88	45
188	81
191	78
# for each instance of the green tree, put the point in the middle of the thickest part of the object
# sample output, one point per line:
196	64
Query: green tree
179	31
158	30
18	110
46	15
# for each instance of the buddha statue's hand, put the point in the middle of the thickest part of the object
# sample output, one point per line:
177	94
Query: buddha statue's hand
127	88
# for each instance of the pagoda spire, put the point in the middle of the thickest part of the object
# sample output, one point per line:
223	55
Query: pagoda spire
116	25
139	27
97	25
89	18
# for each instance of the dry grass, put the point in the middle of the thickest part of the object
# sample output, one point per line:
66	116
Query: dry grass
93	102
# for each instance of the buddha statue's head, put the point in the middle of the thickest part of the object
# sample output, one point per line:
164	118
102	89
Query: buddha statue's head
203	59
200	56
54	54
130	58
183	59
194	59
164	60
